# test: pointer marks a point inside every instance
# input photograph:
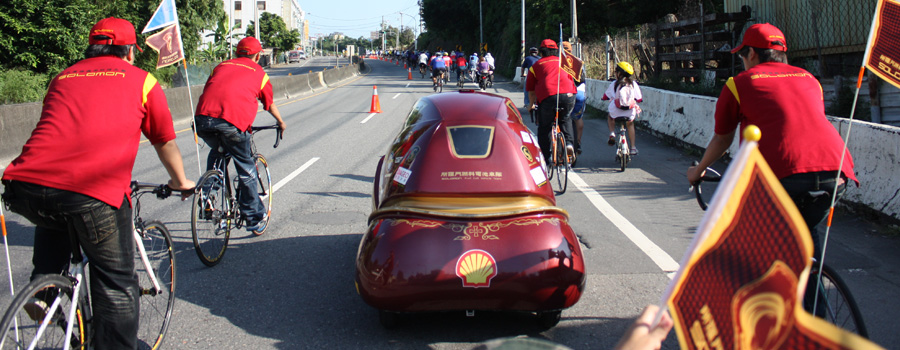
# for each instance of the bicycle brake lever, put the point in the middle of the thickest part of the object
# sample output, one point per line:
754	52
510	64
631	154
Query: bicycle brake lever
278	136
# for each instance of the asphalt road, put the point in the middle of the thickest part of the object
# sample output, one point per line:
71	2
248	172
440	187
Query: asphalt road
292	288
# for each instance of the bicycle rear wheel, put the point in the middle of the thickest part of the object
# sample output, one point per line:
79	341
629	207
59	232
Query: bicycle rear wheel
18	330
562	164
623	152
264	187
211	218
156	304
551	166
836	305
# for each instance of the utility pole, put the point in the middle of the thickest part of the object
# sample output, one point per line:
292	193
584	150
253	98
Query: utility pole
522	58
575	49
401	29
382	34
480	25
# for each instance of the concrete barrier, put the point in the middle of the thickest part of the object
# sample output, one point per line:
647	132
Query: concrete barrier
18	120
689	120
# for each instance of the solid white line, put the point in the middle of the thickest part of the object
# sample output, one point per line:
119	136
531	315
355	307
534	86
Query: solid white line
294	174
395	96
407	84
367	118
659	256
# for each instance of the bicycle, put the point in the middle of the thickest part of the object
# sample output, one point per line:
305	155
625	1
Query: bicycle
67	322
422	70
623	155
216	211
460	77
834	302
560	160
439	84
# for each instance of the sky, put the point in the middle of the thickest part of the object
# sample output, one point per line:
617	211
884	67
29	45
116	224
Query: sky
357	18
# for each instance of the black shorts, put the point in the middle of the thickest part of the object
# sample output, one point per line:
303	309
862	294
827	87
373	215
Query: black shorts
437	72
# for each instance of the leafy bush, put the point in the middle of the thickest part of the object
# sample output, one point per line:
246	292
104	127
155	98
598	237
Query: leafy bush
20	86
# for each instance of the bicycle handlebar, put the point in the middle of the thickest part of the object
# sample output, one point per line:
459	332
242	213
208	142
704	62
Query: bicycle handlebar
278	135
695	187
162	191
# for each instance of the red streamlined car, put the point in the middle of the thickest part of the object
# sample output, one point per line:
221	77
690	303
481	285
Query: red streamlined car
464	217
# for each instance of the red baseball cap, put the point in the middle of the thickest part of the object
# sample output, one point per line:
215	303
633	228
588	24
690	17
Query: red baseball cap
119	31
248	46
763	36
549	43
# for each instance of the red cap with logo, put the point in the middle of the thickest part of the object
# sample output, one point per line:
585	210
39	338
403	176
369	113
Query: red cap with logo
248	46
119	32
763	36
549	43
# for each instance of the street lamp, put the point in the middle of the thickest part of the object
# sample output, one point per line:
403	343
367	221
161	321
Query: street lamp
415	29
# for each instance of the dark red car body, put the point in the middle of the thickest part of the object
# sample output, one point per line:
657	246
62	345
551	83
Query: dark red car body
464	218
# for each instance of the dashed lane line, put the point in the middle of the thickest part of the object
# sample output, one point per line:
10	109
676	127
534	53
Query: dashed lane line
367	118
294	174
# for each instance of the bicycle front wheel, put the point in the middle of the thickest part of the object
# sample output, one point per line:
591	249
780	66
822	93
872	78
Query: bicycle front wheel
264	187
23	319
156	303
211	217
836	305
562	164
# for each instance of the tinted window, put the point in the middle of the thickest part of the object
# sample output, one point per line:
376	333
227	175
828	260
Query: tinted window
471	141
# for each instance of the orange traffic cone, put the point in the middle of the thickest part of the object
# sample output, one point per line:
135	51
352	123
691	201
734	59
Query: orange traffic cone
408	74
376	106
404	65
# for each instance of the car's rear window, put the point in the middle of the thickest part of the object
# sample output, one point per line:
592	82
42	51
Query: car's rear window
471	141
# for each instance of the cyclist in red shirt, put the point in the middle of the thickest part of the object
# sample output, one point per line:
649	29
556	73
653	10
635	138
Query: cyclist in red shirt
545	85
225	112
74	173
786	103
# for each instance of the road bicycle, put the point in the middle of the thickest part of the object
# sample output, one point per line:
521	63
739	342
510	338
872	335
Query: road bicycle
439	83
460	77
66	323
422	70
216	210
560	160
623	155
833	301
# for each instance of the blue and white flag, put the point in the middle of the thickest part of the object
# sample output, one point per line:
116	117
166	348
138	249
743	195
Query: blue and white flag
164	16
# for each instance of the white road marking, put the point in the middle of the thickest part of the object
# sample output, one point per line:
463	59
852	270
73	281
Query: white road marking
659	256
407	84
367	118
395	96
294	174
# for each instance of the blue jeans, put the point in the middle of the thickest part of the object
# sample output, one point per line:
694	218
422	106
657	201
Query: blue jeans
217	132
106	238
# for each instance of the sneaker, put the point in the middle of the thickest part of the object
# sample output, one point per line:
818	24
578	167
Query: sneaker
260	226
570	150
36	309
578	150
612	140
634	151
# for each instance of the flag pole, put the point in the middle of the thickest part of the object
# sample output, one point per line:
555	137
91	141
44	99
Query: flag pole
558	79
862	71
190	95
12	290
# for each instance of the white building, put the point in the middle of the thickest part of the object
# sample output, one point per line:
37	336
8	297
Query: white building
241	13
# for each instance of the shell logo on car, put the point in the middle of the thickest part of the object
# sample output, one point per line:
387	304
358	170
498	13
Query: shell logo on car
476	268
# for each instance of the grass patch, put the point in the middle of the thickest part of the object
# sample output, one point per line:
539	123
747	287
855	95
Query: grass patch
21	86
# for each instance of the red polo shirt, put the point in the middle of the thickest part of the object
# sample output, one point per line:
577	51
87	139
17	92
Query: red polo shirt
232	91
543	77
91	123
786	103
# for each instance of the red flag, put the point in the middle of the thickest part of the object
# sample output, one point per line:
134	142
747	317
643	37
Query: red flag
883	49
168	44
741	283
572	65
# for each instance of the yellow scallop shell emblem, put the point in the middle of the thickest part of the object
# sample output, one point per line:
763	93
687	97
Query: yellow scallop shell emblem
476	268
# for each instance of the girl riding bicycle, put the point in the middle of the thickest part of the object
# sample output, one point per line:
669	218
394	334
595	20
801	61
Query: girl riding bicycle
624	94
